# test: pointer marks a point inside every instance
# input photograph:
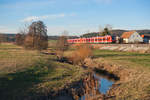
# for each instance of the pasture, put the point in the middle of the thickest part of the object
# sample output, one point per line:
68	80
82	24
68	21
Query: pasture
29	74
134	70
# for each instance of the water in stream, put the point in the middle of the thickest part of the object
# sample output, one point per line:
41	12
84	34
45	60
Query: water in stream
93	86
101	85
105	83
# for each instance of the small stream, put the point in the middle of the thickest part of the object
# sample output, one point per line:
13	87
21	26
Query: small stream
103	84
93	86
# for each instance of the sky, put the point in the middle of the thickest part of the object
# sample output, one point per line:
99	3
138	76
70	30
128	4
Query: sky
75	16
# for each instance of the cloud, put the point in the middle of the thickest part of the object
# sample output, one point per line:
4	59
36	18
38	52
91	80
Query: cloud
53	16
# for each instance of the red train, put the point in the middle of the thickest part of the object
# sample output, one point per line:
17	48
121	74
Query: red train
99	39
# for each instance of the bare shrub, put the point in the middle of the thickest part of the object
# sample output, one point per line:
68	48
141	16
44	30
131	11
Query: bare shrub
61	46
37	36
20	39
20	36
81	53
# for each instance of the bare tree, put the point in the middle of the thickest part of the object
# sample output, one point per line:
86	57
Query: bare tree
24	29
20	39
37	36
20	36
109	27
62	45
107	30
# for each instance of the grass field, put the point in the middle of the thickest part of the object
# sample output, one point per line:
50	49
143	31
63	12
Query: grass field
140	59
134	67
26	74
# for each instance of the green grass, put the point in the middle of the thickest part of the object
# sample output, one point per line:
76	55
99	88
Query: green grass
26	74
18	83
132	57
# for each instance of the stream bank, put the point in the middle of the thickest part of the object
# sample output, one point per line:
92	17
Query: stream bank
94	86
126	86
133	83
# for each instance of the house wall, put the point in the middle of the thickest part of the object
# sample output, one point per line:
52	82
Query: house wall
125	40
135	37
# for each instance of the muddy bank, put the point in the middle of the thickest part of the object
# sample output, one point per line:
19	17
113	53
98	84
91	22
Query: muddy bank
87	87
92	87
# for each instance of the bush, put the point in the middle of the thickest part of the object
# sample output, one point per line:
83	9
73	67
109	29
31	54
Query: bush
61	47
80	54
20	39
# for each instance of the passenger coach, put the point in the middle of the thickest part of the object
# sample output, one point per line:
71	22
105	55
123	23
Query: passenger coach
99	39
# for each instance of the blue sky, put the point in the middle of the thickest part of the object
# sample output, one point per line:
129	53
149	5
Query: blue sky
75	16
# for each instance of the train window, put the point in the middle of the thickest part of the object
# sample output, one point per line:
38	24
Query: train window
113	37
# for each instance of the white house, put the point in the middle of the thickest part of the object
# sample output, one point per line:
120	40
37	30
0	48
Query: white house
131	37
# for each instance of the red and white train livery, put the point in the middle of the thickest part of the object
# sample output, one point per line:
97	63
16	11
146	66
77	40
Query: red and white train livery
99	39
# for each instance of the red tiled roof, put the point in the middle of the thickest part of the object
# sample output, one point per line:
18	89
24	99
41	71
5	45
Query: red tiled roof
127	34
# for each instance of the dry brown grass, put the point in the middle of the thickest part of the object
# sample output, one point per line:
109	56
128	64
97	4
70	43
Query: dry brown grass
133	70
13	58
30	75
80	54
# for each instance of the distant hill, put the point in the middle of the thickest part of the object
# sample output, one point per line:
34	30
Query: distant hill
116	32
143	31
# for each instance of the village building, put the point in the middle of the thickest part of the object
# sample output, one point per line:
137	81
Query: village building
131	37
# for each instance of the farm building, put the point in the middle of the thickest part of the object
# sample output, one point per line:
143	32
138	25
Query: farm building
131	37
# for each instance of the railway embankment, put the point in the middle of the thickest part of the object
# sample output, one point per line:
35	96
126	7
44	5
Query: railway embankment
142	48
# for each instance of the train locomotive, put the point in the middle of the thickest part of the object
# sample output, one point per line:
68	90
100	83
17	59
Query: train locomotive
98	39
